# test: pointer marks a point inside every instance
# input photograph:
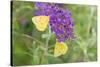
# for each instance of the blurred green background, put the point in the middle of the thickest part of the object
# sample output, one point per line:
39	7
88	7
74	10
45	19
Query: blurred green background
29	45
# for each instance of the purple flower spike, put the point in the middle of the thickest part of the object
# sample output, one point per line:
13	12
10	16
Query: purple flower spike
60	19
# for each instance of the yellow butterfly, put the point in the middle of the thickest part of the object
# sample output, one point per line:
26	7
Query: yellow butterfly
41	22
60	49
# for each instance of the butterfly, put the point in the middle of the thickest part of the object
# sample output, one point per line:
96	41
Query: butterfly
60	49
41	22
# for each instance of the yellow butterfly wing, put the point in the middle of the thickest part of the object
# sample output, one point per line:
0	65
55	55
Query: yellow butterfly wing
60	49
41	22
64	48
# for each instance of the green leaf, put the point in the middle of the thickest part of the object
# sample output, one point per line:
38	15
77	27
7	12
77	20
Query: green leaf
54	60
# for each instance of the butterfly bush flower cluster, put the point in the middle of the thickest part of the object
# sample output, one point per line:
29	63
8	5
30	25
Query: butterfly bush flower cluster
60	19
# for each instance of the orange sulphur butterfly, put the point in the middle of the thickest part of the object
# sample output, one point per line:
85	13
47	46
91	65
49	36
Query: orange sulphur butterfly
41	22
60	49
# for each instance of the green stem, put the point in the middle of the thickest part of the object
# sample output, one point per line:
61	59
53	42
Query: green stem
86	58
25	35
47	40
91	14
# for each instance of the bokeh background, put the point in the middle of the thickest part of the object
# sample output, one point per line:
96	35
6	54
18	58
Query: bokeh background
29	45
